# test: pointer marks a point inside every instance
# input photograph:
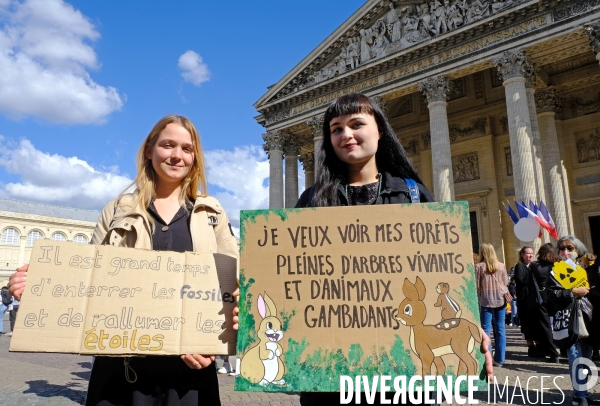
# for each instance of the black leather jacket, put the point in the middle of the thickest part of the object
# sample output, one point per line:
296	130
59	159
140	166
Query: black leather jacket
393	191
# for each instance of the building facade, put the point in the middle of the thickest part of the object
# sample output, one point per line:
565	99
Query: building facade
493	100
21	223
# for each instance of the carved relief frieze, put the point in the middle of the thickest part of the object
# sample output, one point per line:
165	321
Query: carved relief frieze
477	128
465	167
478	80
588	145
426	138
496	80
457	89
457	133
504	124
412	147
278	115
423	105
404	106
590	205
397	28
508	160
571	10
579	106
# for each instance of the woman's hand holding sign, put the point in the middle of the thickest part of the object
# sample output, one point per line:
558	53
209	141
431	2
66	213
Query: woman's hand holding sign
197	361
16	282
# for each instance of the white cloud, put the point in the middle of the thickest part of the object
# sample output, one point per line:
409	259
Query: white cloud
241	173
45	53
55	179
193	69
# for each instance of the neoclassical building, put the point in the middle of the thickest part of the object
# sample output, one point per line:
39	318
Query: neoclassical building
494	100
21	223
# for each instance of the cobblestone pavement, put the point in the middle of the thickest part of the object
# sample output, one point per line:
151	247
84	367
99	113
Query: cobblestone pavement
61	379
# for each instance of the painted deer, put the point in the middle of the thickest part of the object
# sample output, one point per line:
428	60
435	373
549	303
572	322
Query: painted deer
430	342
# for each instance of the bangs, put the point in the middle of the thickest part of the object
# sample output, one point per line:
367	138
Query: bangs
349	104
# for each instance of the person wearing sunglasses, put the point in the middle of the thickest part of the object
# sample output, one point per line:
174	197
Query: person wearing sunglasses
566	302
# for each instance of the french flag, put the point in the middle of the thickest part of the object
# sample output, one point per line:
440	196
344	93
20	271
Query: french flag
541	215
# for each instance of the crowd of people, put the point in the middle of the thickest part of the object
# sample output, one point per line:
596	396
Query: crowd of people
554	321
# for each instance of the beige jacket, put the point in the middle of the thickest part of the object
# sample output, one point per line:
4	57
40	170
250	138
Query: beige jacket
120	224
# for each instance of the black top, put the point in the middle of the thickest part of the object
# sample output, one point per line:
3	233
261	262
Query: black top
174	236
393	191
521	271
363	195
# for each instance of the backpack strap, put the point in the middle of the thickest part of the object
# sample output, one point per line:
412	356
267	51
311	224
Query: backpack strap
413	190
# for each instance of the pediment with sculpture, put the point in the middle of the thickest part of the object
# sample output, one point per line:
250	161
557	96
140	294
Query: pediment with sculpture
399	27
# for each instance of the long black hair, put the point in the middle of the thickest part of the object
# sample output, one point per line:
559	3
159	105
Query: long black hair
390	156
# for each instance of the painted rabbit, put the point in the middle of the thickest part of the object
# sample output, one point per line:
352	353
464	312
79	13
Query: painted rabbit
263	363
431	342
450	309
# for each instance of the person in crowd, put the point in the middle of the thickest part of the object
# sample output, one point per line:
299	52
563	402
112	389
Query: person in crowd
13	309
512	289
362	163
226	368
521	275
5	301
539	320
167	211
565	303
491	279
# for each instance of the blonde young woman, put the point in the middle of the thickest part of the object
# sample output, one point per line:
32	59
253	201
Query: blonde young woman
492	282
169	210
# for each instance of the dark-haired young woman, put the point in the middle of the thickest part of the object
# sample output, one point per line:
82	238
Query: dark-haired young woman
361	162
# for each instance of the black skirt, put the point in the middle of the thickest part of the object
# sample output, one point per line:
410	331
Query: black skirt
161	380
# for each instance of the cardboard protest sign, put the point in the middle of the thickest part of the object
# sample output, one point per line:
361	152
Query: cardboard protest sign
363	290
99	299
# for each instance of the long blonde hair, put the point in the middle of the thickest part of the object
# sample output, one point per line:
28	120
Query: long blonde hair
487	254
193	185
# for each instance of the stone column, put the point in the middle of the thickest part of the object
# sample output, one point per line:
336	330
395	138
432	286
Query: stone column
291	145
308	163
435	90
548	104
316	126
274	147
536	145
593	32
512	66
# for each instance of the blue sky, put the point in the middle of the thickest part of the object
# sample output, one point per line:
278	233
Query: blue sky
84	81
